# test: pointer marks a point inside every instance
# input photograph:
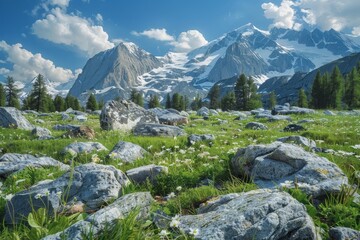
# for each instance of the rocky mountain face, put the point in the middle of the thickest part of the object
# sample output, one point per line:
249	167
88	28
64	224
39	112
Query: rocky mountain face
248	50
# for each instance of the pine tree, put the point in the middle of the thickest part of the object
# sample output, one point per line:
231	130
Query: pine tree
272	100
336	88
133	95
196	104
101	104
186	102
254	99
302	100
176	101
39	99
12	94
139	99
228	102
352	92
59	103
316	91
154	101
168	103
76	105
214	95
241	92
2	96
91	103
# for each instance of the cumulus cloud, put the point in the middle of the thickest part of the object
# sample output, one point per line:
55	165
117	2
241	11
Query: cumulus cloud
27	65
186	41
99	18
159	34
283	16
69	29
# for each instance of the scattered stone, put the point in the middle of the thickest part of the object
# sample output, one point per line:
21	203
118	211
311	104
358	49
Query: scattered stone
306	121
65	116
80	118
204	111
10	117
294	128
286	165
96	112
124	115
169	116
258	214
81	132
41	133
44	115
213	112
40	121
141	174
184	114
194	138
299	140
90	184
30	112
343	233
148	129
84	147
329	113
14	162
273	118
94	224
128	152
65	127
256	126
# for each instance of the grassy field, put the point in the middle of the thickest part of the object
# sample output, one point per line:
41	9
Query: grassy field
188	167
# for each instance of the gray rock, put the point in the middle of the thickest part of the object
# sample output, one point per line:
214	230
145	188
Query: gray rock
30	112
13	162
40	121
65	116
299	140
65	127
148	129
168	117
41	133
343	233
258	214
306	121
141	174
256	126
260	111
44	115
80	118
12	118
127	152
84	147
273	118
294	128
96	112
329	113
184	114
89	185
81	131
194	138
204	111
213	112
124	115
285	165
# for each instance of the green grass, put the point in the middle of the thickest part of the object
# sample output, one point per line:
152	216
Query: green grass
190	165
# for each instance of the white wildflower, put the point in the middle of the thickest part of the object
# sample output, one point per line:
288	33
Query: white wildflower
9	197
38	196
171	195
194	231
178	188
175	222
163	233
47	193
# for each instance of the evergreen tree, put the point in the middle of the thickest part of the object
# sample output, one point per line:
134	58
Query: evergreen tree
101	104
352	92
168	103
214	95
139	100
2	96
254	99
336	88
228	102
186	102
302	100
241	92
325	94
182	103
176	101
154	101
12	99
72	102
196	104
316	91
272	100
133	95
39	100
76	105
59	103
91	103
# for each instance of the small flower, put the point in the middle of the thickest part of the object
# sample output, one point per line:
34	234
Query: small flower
163	233
9	197
171	195
194	231
112	155
47	193
38	196
120	164
178	188
95	158
150	147
175	222
59	193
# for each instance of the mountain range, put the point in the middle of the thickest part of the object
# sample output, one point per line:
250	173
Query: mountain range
249	50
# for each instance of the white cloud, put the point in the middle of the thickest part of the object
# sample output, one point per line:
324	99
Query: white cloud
4	71
69	29
99	18
27	65
60	3
356	31
283	16
188	41
155	33
47	4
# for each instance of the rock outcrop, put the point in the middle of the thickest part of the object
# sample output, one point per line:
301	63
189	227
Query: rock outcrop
12	118
149	173
127	152
148	129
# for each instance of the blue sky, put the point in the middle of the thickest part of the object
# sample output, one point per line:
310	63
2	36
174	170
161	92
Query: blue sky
56	37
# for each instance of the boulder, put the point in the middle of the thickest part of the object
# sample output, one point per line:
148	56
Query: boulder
65	127
141	174
81	132
13	162
30	112
89	185
213	112
12	118
96	112
84	147
194	138
286	165
80	118
256	126
41	133
40	121
148	129
94	224
273	118
306	121
204	112
329	113
184	114
124	115
65	116
343	233
127	152
168	117
258	214
299	140
294	128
